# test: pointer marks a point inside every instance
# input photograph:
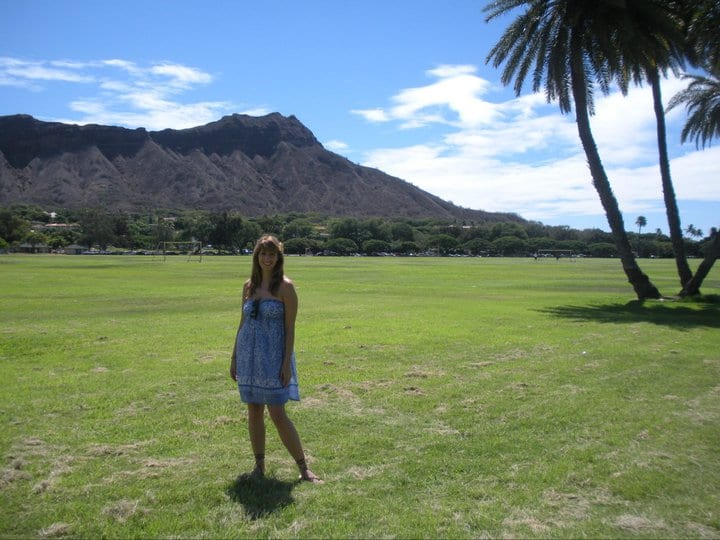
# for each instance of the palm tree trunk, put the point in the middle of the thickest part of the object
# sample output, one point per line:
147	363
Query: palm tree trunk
671	208
692	287
641	283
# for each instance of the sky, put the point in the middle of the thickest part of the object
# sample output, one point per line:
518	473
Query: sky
399	85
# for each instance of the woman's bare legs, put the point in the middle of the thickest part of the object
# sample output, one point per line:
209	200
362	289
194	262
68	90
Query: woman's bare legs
290	438
256	427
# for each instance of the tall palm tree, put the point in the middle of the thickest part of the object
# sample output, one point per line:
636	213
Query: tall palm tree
569	47
641	222
702	100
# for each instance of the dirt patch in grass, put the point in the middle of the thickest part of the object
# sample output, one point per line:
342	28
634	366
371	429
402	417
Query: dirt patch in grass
62	465
417	372
8	476
133	409
56	530
479	365
117	450
123	510
639	524
517	522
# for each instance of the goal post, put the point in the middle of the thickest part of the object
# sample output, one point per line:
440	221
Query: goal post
191	248
556	253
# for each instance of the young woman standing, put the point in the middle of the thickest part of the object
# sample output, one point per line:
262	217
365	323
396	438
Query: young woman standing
263	359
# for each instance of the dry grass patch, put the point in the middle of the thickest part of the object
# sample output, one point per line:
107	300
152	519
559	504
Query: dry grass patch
123	510
639	524
56	530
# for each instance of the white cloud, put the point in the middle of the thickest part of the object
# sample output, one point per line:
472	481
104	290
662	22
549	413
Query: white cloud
17	70
181	76
372	115
457	89
121	92
336	146
522	155
256	111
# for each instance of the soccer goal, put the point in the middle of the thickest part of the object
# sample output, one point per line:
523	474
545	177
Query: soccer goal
556	253
191	248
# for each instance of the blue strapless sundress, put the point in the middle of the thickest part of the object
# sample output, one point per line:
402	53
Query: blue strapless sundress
259	354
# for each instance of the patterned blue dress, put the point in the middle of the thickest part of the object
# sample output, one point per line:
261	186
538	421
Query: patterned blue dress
259	353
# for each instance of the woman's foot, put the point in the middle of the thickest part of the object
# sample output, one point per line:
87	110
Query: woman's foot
308	476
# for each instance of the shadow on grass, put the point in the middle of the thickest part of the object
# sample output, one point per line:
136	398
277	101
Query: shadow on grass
261	496
684	315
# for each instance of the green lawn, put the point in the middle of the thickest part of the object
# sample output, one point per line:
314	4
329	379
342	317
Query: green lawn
458	398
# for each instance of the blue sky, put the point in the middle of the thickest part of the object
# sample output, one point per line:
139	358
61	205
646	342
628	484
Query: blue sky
399	85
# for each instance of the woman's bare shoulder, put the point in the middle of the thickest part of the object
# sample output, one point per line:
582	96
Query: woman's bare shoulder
286	287
287	283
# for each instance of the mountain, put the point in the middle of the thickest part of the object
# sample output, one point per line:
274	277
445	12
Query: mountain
252	165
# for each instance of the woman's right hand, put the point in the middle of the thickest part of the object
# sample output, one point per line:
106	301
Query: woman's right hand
233	369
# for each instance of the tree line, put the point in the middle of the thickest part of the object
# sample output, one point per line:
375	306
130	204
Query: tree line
25	227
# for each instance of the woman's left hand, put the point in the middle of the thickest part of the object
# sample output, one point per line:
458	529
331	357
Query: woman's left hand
285	373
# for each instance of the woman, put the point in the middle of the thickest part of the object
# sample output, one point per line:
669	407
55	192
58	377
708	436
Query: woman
263	359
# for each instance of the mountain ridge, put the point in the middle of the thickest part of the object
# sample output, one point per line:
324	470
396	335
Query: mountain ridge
251	165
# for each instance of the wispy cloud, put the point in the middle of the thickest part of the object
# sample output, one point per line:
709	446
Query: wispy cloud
336	146
121	92
521	155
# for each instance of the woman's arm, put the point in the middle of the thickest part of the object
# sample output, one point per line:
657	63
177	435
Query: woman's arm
290	301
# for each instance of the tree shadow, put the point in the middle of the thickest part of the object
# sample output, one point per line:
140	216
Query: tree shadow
682	315
261	496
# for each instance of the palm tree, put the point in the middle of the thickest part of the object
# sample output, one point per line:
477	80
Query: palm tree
650	42
641	222
693	231
569	46
702	101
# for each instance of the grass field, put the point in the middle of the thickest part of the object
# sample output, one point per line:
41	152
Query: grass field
458	398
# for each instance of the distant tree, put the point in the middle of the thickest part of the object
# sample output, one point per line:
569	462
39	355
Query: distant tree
348	228
301	246
13	227
374	246
56	242
164	231
477	246
444	243
602	249
198	226
97	228
35	238
641	222
341	246
232	232
297	228
407	248
509	245
508	229
402	232
694	232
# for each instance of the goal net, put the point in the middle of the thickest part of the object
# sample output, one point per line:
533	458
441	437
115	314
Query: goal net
556	253
190	248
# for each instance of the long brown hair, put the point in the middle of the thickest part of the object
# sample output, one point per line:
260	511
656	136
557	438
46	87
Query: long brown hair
267	242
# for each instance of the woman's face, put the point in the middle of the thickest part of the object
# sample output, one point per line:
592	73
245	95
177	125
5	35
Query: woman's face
267	258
